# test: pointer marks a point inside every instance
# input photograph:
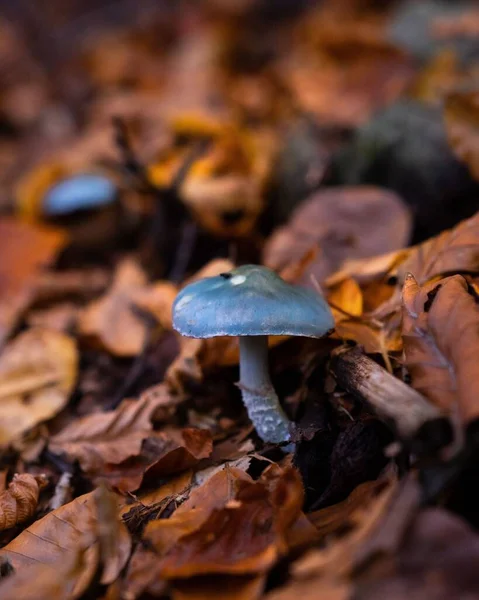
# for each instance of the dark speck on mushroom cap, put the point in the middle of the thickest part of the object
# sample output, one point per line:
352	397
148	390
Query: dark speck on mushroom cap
250	300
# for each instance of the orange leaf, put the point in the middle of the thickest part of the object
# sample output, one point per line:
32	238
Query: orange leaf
25	250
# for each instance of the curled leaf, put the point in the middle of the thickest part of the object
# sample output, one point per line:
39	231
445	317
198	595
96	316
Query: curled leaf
19	501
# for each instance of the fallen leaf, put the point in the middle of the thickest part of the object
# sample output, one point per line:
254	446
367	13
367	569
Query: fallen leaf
344	223
245	536
26	249
350	72
38	370
461	114
87	530
329	569
332	519
162	454
441	345
451	251
109	437
163	534
232	588
346	299
99	321
55	582
19	501
438	559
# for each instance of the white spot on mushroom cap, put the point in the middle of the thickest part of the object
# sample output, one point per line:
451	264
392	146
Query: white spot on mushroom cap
237	279
184	301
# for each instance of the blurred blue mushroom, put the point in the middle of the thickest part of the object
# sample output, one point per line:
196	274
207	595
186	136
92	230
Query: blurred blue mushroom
81	192
253	302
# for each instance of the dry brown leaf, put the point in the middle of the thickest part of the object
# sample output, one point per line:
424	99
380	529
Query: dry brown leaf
344	223
111	320
55	582
220	588
38	370
350	72
163	534
19	501
229	525
441	344
109	437
461	113
162	454
451	251
312	590
327	570
87	530
331	520
25	250
245	536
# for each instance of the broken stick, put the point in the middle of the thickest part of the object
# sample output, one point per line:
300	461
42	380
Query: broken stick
412	415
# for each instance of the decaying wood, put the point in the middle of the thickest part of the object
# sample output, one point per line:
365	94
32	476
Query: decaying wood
390	398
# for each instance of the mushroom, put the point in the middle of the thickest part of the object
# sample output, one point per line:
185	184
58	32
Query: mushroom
85	191
253	302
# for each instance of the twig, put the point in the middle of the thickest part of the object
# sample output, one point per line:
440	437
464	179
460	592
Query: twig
63	491
391	399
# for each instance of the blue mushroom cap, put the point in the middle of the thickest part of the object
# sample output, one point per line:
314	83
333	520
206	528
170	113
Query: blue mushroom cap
250	300
79	192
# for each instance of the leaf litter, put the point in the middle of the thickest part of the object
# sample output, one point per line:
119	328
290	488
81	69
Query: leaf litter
319	139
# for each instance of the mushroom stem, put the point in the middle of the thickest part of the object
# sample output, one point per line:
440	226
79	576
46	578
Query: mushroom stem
259	397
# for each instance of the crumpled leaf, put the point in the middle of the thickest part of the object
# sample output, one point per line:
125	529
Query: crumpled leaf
74	539
214	493
111	320
25	250
245	536
19	501
109	437
229	525
452	250
344	223
38	370
162	454
441	344
461	113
